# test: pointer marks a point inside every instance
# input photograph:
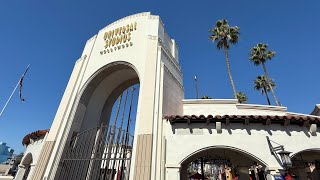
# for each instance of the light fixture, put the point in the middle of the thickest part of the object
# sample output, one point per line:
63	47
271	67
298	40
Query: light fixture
285	158
279	150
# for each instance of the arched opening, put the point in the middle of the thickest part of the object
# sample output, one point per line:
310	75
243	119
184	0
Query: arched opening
222	163
26	166
101	91
101	137
306	165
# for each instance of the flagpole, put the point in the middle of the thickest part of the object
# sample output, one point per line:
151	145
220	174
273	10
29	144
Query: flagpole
196	83
13	92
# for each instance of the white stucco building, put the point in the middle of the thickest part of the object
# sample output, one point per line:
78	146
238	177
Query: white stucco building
170	132
33	143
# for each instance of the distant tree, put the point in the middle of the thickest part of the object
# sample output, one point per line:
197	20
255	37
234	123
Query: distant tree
206	97
18	159
259	55
225	35
242	98
261	83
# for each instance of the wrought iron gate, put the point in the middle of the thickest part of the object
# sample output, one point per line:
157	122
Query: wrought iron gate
101	153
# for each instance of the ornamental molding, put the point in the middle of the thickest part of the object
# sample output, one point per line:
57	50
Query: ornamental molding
152	37
128	17
169	56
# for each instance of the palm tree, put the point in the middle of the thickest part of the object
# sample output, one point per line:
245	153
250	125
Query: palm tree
206	97
225	35
261	83
259	55
242	97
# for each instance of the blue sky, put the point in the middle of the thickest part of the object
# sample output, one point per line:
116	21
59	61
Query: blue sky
50	35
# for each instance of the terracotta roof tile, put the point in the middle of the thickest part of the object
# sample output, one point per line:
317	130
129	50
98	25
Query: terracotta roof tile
265	119
34	135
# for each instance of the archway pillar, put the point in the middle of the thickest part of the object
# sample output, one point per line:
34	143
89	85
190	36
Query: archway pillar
32	167
20	172
60	126
173	171
148	116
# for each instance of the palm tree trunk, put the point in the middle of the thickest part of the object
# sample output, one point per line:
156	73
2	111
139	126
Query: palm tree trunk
229	73
265	91
267	76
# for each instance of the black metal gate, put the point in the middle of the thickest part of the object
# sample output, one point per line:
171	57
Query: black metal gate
102	153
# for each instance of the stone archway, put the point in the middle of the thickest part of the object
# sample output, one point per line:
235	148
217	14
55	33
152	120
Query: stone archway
306	164
223	162
25	167
92	118
104	70
100	92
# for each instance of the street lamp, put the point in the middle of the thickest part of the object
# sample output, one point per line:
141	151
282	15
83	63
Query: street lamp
285	158
279	150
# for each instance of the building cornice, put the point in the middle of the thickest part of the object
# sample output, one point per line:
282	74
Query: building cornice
209	101
261	107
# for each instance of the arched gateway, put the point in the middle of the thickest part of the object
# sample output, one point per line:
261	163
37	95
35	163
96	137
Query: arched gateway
172	135
134	49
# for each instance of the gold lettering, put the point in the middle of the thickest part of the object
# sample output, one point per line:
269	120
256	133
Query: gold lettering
112	34
129	36
131	27
114	41
119	38
127	30
124	38
107	43
105	35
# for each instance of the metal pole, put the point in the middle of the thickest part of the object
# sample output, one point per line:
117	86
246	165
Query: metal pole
202	170
196	83
13	91
116	154
127	139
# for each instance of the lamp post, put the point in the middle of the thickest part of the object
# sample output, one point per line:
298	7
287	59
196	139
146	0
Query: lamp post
196	83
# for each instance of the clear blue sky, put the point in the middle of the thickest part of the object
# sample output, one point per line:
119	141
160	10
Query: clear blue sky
50	35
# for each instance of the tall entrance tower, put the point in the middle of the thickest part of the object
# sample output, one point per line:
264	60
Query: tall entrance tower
134	49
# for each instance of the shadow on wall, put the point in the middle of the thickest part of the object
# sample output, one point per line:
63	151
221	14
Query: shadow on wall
203	128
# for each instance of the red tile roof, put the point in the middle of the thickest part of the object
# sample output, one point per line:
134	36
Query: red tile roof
34	135
265	119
